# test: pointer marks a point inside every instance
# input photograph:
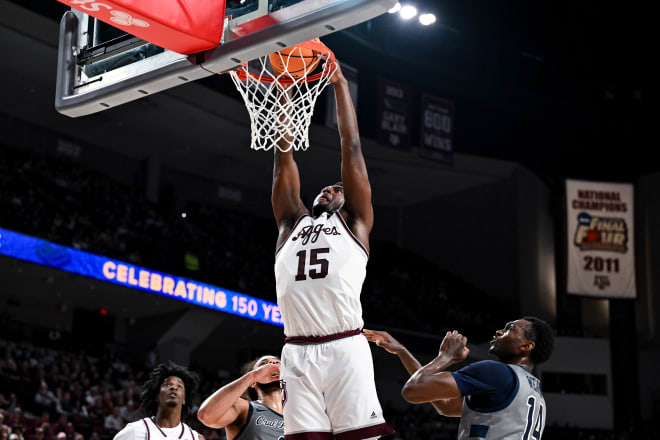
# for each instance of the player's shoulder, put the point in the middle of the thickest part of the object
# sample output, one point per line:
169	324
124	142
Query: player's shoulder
196	435
488	366
301	218
132	431
258	407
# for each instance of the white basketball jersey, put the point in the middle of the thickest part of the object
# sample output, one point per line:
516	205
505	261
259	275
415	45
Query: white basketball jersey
146	429
523	418
319	271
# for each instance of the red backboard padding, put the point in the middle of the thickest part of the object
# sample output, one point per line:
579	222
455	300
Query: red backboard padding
183	26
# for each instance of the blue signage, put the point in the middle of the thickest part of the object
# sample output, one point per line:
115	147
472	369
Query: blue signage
34	250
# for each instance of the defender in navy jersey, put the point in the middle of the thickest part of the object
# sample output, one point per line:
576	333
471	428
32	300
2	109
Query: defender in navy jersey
320	264
257	417
495	400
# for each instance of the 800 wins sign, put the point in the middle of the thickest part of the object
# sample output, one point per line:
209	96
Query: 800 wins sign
437	131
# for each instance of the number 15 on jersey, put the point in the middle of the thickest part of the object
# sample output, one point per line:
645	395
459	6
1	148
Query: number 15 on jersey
316	268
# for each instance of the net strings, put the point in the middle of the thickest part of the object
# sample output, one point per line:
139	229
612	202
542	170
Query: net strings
280	112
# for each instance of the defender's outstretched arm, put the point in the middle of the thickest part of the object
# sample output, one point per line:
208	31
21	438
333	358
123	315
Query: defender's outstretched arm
450	407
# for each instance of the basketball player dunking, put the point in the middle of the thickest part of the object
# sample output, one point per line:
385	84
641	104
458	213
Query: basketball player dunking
320	264
255	419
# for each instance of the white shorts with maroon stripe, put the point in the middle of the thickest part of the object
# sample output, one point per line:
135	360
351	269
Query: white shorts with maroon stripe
329	391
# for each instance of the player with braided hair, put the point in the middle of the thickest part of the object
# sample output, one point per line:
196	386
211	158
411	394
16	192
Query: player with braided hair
166	399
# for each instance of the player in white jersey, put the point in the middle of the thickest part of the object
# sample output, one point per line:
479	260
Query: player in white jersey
256	417
495	400
165	399
327	371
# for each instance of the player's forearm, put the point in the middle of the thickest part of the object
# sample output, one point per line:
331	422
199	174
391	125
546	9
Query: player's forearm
213	409
282	161
431	382
284	129
408	360
445	407
346	117
282	164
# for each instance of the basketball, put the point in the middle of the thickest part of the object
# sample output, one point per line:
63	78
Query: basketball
295	61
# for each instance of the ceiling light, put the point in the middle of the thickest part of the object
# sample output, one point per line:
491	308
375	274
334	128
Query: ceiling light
427	19
408	12
395	8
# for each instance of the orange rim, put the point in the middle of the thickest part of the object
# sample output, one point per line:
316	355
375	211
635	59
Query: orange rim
242	73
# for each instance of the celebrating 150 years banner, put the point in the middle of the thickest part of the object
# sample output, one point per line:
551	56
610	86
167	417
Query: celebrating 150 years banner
601	252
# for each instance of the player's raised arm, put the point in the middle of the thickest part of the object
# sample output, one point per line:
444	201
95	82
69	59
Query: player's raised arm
226	407
431	382
287	204
357	190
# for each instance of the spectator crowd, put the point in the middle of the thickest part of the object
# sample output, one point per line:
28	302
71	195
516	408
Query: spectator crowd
40	401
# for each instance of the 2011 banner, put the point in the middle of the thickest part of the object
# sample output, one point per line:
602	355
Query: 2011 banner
600	239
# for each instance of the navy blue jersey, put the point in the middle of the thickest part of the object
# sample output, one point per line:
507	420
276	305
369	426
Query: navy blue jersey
501	401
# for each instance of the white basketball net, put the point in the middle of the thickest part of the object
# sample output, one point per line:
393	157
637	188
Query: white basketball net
280	106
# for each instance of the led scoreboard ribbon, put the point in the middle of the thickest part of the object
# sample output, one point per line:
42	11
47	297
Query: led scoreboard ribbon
34	250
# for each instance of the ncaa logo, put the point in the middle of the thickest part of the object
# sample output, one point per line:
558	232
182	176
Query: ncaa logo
125	19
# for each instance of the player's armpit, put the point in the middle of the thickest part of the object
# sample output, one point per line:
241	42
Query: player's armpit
449	407
426	386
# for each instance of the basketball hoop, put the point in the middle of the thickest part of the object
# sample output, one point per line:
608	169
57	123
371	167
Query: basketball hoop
281	103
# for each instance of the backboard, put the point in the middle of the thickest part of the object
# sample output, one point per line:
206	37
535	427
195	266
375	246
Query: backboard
101	67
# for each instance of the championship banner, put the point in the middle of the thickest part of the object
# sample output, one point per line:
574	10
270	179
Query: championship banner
601	252
351	75
394	109
437	131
